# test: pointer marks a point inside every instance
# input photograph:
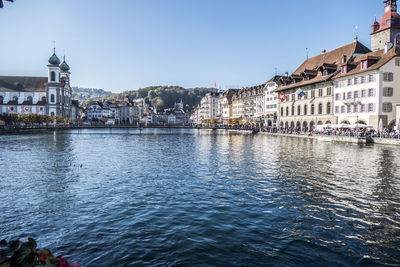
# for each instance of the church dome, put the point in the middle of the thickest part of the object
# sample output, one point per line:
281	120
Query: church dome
64	66
54	60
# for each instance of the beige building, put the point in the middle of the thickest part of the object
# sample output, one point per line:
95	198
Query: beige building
314	78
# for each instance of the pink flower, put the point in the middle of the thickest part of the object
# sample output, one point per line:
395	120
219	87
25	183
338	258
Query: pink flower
42	257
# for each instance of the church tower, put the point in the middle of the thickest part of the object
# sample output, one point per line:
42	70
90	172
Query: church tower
387	30
53	86
66	90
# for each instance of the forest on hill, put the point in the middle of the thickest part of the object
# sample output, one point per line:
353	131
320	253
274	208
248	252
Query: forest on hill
160	97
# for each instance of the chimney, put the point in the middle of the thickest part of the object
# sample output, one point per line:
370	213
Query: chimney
344	59
388	46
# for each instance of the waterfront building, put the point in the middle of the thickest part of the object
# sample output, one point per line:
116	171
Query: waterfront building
309	90
237	107
209	107
225	108
94	111
367	90
271	101
51	95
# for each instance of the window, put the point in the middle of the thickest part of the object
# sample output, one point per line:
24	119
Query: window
52	76
371	78
337	96
292	110
293	97
363	93
348	109
15	99
370	92
44	99
328	108
362	107
356	94
370	107
320	92
312	93
397	62
52	98
329	91
344	96
305	110
349	95
362	79
349	82
52	114
325	73
388	76
337	109
342	109
320	108
287	111
281	111
1	100
387	107
355	80
344	69
29	99
312	109
364	64
388	91
356	108
298	110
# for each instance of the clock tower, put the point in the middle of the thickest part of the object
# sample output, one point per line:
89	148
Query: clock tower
388	27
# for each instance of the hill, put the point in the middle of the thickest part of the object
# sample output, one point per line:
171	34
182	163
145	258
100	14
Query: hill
160	97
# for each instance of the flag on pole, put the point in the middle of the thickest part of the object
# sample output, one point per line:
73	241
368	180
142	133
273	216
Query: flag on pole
300	93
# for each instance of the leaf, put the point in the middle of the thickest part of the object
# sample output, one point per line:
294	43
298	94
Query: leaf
24	256
32	241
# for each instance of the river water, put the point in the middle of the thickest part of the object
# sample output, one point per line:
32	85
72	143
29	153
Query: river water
190	198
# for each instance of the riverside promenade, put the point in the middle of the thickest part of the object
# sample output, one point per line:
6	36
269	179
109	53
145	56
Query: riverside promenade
317	137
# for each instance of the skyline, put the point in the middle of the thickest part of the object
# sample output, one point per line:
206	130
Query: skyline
145	43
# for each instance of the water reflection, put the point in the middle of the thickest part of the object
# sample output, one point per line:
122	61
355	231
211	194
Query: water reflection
181	197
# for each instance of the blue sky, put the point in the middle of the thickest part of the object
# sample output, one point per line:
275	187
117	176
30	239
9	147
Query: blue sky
127	44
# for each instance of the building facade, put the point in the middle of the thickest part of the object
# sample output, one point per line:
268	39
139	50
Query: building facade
50	95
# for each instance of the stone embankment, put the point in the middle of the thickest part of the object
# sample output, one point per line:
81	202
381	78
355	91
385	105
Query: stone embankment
342	139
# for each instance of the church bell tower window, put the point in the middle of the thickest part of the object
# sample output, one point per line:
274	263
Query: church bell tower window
53	76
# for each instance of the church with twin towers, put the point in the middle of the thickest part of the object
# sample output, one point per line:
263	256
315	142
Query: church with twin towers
49	95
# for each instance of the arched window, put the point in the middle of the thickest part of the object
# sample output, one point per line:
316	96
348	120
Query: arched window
292	110
305	110
52	98
29	99
281	111
312	109
320	108
298	110
287	111
15	99
53	76
328	108
1	100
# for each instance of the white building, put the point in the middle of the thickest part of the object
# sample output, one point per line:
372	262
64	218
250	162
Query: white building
209	106
271	101
40	95
368	89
